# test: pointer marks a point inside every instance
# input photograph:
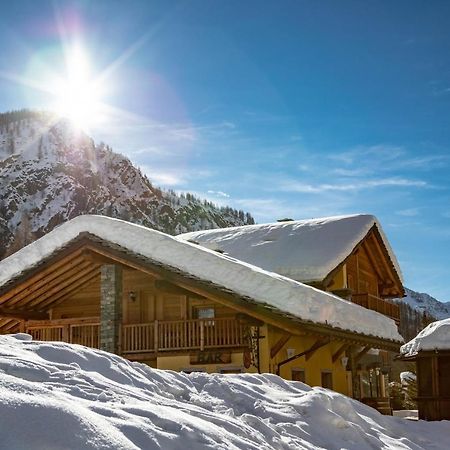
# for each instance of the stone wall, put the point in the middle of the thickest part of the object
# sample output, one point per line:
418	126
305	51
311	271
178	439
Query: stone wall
110	307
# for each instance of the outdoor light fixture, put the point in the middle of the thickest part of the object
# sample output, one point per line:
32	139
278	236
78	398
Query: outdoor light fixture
344	361
132	296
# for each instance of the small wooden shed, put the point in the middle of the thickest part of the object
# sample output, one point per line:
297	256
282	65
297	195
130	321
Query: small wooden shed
430	349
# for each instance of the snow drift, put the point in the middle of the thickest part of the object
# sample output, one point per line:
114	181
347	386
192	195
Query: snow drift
62	396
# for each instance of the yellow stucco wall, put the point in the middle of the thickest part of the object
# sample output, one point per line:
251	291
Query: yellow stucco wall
320	361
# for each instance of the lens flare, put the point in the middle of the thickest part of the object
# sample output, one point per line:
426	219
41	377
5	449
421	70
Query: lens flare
78	95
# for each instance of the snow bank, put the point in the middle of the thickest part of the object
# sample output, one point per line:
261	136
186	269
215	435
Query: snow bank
304	250
436	336
287	295
62	396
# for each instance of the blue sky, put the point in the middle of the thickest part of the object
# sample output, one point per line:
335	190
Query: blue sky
285	109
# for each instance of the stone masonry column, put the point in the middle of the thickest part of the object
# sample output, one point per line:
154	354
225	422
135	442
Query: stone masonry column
110	307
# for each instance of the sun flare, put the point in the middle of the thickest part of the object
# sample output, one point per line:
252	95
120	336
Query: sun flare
77	94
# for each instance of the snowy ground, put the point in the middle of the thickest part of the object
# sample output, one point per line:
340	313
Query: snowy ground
61	396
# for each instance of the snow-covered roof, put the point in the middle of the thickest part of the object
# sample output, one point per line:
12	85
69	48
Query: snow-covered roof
273	290
436	336
304	250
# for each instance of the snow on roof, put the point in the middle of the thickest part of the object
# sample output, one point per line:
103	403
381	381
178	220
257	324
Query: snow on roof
304	302
61	396
304	250
436	336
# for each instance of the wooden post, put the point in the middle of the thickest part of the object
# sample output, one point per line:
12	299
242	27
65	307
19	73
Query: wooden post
156	336
66	334
202	335
382	385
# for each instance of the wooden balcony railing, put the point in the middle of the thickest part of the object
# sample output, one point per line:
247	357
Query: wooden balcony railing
150	337
75	331
183	335
380	305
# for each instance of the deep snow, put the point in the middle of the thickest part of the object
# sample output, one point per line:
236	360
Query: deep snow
62	396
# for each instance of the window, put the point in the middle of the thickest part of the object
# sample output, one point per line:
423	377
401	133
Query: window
298	375
327	380
204	313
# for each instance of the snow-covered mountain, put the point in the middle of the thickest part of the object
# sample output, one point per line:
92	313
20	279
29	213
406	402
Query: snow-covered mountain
426	303
50	172
417	310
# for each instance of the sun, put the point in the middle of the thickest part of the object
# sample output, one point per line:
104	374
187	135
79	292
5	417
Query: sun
78	95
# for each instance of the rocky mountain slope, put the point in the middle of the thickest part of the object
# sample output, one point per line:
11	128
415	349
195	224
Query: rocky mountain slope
51	172
426	303
417	310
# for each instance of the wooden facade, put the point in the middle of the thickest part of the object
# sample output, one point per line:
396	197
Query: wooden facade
368	278
433	384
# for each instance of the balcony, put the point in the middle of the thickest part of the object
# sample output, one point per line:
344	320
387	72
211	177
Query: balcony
380	305
153	337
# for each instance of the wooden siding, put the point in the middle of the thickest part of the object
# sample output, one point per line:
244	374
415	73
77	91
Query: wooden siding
83	303
142	302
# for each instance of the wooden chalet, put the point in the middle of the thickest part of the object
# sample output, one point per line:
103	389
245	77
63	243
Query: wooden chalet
349	256
171	304
430	350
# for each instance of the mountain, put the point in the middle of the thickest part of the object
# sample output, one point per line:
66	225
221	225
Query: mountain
426	303
51	172
417	310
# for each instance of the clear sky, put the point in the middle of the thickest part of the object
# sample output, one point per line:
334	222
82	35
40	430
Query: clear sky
293	109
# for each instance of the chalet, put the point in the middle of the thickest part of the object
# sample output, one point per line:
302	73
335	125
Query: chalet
173	304
348	256
430	350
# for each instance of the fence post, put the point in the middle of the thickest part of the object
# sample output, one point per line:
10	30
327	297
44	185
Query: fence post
202	335
67	334
156	336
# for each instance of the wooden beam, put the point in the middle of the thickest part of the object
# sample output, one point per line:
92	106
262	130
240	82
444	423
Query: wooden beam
122	260
79	321
22	314
55	289
38	275
372	261
170	288
382	254
7	324
318	344
339	352
68	289
361	354
55	301
321	342
96	258
279	345
45	284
